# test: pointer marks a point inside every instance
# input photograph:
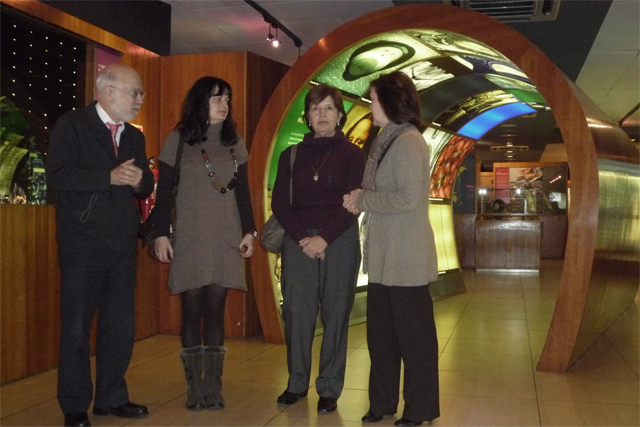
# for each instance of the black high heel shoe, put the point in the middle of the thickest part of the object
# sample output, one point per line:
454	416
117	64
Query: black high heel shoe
403	422
370	417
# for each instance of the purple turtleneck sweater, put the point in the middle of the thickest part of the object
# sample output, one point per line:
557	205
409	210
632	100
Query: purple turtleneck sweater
318	204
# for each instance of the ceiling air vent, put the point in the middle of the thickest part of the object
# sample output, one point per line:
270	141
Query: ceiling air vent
513	10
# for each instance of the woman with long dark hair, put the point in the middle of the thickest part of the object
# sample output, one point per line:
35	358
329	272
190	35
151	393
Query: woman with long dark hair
213	228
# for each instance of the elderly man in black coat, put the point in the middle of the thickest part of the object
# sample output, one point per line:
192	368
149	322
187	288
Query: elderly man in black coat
97	166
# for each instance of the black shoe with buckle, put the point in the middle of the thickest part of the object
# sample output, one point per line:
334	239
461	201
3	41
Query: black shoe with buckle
327	404
287	398
128	410
76	419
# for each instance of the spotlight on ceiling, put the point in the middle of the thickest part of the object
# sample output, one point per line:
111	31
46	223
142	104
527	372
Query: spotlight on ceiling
274	23
270	36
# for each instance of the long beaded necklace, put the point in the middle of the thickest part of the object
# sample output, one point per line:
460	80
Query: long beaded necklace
212	174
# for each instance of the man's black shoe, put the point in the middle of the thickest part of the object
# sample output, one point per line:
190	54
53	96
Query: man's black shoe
287	398
76	419
128	410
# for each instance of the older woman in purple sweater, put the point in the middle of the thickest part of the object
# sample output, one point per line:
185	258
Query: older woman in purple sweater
321	252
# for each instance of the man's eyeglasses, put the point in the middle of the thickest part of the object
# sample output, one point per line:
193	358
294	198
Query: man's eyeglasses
134	93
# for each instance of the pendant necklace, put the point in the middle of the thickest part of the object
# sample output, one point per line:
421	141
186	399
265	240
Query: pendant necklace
317	171
211	174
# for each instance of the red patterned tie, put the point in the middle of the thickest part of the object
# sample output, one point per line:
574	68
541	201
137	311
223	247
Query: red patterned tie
114	131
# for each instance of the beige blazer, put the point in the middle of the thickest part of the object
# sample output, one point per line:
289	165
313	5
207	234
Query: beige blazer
402	249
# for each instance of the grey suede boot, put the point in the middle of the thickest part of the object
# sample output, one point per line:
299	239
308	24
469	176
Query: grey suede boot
213	366
193	366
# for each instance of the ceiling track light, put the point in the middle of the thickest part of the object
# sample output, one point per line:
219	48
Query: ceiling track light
273	22
269	35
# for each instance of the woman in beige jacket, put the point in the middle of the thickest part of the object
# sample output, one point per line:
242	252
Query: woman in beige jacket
399	255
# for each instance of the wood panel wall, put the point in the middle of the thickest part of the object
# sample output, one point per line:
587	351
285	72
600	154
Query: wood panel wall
30	279
30	292
585	297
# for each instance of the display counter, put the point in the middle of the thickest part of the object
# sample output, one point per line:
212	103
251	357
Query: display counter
508	241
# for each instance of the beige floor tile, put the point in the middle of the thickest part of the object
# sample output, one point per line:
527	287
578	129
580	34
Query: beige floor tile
507	385
490	339
175	414
496	304
151	348
563	413
487	411
357	335
246	349
444	332
11	403
536	344
275	353
44	414
602	360
259	371
252	397
491	329
44	384
357	377
358	357
446	322
165	366
630	353
284	419
478	313
488	347
582	388
540	324
153	389
487	363
498	292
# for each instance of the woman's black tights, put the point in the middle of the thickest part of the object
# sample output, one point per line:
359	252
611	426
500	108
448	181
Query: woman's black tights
203	316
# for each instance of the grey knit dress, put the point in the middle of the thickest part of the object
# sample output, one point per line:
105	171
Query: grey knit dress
207	231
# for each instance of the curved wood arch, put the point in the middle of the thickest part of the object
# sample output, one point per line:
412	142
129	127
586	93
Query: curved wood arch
575	304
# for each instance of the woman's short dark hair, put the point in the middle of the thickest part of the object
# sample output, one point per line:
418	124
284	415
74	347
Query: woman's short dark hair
316	95
194	121
398	97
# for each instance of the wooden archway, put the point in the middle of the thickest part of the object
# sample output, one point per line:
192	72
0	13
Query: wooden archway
588	300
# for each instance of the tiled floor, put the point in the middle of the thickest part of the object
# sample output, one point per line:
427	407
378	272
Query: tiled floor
490	340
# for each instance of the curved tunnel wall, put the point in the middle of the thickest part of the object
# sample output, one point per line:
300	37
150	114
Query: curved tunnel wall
587	295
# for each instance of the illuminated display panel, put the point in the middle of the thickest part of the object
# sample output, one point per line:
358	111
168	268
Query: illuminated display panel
483	65
426	74
353	69
445	168
436	140
441	218
448	42
481	124
455	117
524	91
432	59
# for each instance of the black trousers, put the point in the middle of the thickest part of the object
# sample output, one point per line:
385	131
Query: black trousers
103	281
328	285
401	328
